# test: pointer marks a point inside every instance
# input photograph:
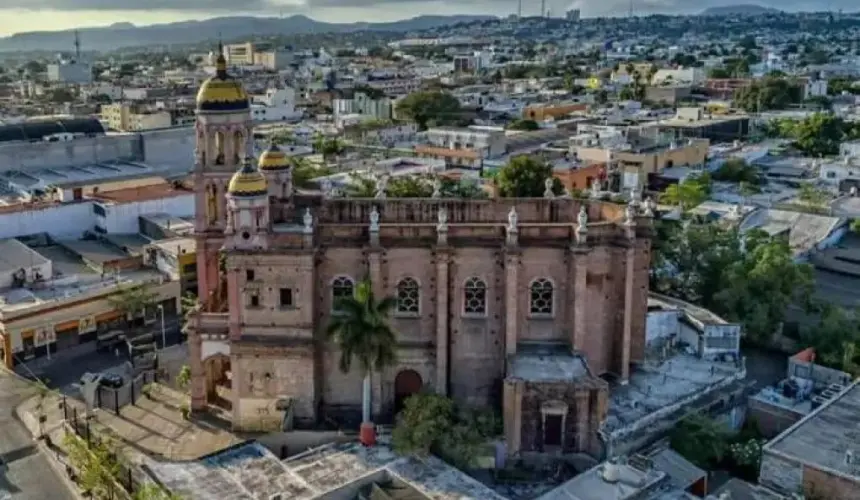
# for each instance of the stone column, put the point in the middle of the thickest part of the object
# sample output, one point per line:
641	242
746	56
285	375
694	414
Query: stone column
512	262
374	270
512	414
442	313
203	284
580	304
234	300
582	413
630	256
198	376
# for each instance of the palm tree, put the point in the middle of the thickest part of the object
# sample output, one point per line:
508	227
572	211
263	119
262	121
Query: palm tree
361	331
133	301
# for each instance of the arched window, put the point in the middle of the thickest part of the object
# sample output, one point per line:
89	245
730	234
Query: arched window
341	287
408	296
541	297
219	148
475	296
238	146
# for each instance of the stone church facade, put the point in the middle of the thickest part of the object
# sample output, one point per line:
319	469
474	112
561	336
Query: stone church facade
528	305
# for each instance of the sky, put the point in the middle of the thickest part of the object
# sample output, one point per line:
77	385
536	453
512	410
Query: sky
51	15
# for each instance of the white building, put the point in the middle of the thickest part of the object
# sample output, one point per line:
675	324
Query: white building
276	105
70	72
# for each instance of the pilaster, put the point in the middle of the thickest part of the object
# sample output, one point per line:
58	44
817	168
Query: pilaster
198	375
580	303
442	323
630	255
512	264
582	413
234	296
512	414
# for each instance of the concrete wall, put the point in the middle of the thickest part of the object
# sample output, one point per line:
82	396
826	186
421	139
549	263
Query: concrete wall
771	419
70	219
123	218
780	474
172	147
720	339
821	376
29	156
661	324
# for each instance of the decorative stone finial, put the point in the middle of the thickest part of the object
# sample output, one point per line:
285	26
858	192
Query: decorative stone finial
630	215
442	217
582	220
513	218
381	183
374	220
437	188
547	191
635	197
308	220
649	207
326	187
595	189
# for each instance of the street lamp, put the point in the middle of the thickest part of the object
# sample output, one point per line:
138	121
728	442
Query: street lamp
163	331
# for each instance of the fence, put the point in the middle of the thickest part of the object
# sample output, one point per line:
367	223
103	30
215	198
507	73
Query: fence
114	399
129	478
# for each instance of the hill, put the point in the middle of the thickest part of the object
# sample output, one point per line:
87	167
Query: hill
128	35
739	10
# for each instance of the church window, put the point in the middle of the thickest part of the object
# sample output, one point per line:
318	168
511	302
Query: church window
475	296
253	300
286	296
219	148
249	275
408	296
341	288
541	297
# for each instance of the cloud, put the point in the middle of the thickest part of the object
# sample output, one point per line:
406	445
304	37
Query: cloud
139	5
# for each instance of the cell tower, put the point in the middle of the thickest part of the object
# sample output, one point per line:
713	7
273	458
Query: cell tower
77	46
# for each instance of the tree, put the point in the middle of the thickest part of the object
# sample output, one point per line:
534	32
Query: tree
360	186
835	338
525	176
523	125
304	172
183	378
767	94
700	440
61	95
361	331
758	288
409	186
430	423
327	146
819	134
95	465
737	170
134	301
430	107
685	195
812	195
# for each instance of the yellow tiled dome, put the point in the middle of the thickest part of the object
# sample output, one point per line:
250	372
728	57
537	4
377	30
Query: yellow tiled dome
248	182
273	159
222	92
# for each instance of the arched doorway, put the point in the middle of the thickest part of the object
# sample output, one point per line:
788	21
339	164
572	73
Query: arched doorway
407	383
218	384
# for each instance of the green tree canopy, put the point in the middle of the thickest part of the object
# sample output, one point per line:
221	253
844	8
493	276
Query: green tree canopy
737	170
750	279
525	176
835	336
687	194
134	301
430	108
767	94
523	125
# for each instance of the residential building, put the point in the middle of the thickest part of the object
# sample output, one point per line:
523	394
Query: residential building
698	123
817	455
278	104
60	294
70	73
125	117
553	111
462	146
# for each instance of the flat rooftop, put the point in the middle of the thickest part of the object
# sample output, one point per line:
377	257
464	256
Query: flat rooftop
75	176
547	363
592	485
658	384
15	255
821	439
250	471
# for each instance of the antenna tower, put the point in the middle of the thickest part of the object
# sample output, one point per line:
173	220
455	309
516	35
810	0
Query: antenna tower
77	45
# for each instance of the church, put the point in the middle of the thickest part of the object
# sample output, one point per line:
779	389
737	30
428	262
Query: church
533	307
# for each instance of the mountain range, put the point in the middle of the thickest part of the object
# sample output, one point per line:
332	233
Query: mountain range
743	9
187	32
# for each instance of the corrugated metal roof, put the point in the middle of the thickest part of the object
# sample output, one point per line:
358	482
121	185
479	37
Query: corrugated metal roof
36	130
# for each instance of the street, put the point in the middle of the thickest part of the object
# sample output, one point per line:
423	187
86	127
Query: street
25	473
63	371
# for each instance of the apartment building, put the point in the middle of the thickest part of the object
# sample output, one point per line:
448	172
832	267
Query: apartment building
125	117
464	147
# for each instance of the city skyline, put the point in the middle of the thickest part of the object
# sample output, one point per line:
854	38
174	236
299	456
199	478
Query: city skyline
56	15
